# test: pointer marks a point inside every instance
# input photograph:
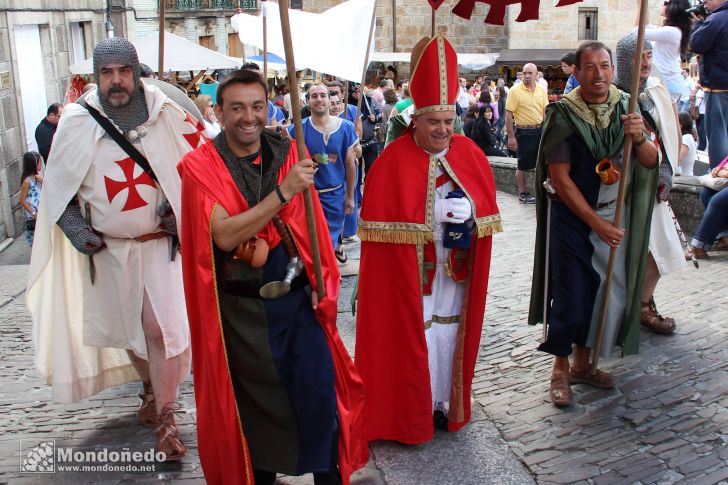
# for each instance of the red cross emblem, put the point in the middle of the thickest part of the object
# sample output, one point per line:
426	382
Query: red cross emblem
113	187
194	138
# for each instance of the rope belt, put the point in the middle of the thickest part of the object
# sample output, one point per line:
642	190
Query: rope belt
330	189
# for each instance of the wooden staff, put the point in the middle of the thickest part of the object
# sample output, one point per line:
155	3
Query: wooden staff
364	69
264	6
626	159
301	145
162	5
432	26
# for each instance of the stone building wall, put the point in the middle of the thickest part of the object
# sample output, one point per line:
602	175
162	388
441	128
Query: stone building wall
558	27
413	21
53	19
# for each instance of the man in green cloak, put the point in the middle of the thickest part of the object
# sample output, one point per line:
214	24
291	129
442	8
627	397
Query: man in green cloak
586	127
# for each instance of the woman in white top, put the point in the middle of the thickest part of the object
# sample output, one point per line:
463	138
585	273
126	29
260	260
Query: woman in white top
212	126
670	42
688	147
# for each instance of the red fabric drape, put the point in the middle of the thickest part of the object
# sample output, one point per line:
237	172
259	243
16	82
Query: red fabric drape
223	451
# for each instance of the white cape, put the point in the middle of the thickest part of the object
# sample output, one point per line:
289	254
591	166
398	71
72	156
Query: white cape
665	244
58	272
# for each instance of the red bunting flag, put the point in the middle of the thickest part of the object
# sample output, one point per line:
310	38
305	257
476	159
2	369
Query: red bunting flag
497	12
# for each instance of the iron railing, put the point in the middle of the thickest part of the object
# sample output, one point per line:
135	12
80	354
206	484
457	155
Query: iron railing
186	5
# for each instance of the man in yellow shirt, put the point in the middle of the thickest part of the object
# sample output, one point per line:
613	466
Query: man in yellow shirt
525	105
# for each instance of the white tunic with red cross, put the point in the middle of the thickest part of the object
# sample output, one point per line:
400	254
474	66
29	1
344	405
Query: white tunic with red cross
81	332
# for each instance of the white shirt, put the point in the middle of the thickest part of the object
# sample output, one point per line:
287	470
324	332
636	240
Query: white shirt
544	84
687	162
666	55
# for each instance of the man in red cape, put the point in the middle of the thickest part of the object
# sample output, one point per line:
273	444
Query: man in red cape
421	293
275	388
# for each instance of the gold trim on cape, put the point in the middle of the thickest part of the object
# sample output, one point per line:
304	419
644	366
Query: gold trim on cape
405	232
246	464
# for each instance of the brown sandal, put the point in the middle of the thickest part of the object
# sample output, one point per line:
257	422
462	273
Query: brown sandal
168	440
560	390
652	319
147	413
600	379
721	244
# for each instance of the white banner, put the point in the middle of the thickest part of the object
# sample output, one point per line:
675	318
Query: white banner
317	45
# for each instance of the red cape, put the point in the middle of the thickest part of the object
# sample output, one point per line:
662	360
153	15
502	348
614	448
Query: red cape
391	352
206	182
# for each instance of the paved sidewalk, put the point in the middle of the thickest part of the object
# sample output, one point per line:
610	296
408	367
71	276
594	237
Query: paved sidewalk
667	421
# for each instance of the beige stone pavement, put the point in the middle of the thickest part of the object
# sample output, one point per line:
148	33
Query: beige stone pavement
666	422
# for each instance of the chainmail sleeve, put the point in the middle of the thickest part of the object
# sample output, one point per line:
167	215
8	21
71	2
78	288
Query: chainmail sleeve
77	230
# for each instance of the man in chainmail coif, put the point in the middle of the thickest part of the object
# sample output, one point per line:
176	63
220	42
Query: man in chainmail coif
665	249
112	310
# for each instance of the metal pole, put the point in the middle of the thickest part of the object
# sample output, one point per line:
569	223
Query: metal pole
264	6
546	269
366	64
626	168
301	146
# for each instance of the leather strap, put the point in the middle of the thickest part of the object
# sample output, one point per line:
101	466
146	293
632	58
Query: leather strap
120	139
151	235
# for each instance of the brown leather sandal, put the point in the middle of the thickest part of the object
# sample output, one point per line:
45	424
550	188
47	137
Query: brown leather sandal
168	440
600	379
721	244
560	390
655	322
147	413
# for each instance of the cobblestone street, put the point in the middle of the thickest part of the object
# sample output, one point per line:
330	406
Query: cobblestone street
666	422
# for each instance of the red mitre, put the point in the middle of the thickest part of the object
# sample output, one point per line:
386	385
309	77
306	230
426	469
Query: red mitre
434	80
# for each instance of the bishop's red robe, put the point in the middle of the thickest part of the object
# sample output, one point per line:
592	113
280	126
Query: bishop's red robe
396	226
206	183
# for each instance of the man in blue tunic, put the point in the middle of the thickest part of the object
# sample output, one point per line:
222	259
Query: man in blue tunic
330	142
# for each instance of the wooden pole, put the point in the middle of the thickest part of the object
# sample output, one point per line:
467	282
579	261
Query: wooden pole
162	6
432	27
366	64
264	6
626	169
301	145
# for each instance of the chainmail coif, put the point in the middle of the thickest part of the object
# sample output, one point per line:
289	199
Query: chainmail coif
117	50
624	61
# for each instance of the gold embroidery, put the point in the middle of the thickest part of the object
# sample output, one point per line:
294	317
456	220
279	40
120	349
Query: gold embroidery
436	107
442	67
489	225
405	232
421	266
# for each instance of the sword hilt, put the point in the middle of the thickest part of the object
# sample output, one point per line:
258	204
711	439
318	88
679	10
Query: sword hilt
286	237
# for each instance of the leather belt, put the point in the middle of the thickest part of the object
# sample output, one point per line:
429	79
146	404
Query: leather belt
250	290
529	127
602	205
151	235
710	90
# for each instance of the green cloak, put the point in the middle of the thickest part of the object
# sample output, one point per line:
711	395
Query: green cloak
604	137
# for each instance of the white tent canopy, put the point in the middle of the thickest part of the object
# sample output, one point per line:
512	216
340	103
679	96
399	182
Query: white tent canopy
468	61
179	55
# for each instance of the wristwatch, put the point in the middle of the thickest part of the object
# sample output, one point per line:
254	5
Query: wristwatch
281	197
